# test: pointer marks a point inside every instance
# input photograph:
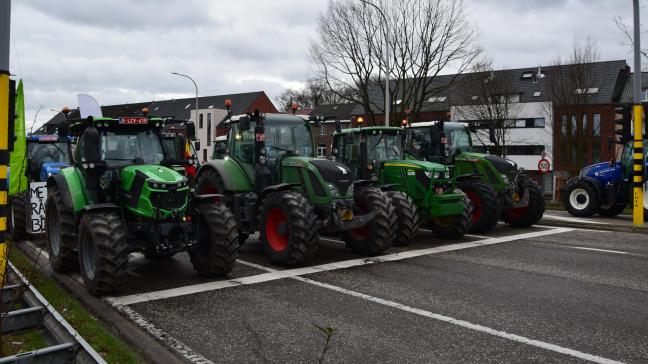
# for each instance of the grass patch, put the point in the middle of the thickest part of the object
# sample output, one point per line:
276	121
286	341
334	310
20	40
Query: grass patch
23	342
112	349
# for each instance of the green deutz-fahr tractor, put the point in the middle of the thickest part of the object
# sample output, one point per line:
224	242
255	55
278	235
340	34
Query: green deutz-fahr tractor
274	184
494	184
417	188
119	197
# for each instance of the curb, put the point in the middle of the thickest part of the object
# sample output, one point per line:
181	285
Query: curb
601	227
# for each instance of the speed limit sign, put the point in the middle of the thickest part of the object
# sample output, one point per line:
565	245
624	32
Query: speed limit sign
543	165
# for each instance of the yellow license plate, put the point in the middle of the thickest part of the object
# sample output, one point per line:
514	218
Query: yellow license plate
347	215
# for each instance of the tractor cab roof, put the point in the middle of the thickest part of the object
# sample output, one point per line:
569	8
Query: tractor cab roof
47	138
268	118
371	130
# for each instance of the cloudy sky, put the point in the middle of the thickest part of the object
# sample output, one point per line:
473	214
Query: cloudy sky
123	51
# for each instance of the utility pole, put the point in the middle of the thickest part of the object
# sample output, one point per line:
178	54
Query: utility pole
5	27
638	175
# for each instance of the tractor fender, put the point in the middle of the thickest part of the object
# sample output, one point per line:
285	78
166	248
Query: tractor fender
59	181
99	207
278	187
231	173
207	196
592	181
467	176
389	186
363	183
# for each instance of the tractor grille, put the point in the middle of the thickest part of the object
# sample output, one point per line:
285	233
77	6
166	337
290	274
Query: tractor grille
169	200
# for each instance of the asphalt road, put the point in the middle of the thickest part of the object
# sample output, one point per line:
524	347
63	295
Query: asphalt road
544	294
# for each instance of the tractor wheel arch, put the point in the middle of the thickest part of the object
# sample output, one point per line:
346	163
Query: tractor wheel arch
231	175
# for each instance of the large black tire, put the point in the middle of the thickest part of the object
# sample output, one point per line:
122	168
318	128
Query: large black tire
529	215
288	228
379	234
407	215
581	199
453	226
18	217
210	182
60	233
158	256
217	248
103	252
611	210
486	206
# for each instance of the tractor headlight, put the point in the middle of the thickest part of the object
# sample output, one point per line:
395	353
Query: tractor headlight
262	159
155	185
333	189
506	179
428	174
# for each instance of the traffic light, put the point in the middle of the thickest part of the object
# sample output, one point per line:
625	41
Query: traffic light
623	118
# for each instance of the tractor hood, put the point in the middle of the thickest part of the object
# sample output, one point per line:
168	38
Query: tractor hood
152	173
503	165
50	168
417	164
603	172
333	172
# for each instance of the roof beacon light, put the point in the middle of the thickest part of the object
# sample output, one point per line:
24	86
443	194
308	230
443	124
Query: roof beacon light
360	120
228	104
145	111
404	122
294	107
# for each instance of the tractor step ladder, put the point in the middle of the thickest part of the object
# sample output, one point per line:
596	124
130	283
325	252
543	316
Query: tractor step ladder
67	345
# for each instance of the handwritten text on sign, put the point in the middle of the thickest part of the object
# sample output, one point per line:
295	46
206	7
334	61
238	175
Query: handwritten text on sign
38	194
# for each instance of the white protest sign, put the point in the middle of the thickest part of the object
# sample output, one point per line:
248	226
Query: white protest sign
38	196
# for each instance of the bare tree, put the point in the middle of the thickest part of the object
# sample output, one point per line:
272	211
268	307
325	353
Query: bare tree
493	106
572	87
314	93
426	37
628	37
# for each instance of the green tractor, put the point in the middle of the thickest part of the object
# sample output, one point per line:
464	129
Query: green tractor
273	183
495	185
418	189
120	197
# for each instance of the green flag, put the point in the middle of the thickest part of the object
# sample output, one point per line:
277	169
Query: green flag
18	161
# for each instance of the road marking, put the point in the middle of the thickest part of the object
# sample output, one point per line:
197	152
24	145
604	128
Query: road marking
288	273
573	219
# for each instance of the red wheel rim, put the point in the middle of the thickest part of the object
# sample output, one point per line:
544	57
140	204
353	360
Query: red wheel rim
277	241
479	209
518	213
209	190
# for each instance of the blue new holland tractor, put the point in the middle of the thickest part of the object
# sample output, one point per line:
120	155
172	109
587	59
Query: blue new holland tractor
604	188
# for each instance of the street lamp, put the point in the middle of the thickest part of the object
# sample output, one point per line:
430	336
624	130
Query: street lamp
195	86
387	96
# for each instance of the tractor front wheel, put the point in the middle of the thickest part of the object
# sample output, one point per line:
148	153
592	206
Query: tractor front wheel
486	209
407	215
60	233
530	214
103	252
217	248
580	199
452	226
288	228
18	217
379	234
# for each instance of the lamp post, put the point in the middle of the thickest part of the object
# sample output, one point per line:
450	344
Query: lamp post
387	91
195	86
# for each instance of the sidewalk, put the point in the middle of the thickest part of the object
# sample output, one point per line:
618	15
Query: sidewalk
596	222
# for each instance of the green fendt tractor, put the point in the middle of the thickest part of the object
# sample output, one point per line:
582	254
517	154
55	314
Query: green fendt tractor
418	189
119	197
271	180
495	185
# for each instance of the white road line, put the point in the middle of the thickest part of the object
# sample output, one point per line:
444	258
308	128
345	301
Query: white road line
266	277
573	219
451	320
603	250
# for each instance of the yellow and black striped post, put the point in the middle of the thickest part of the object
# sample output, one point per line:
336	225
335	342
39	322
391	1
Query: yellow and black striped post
638	168
5	20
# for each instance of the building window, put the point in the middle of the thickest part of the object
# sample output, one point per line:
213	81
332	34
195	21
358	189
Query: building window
572	126
209	127
527	74
563	125
200	121
644	94
322	129
474	98
596	152
591	90
538	123
596	125
437	99
204	155
321	150
537	94
585	124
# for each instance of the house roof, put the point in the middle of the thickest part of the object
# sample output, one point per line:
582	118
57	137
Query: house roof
627	97
175	108
340	111
608	77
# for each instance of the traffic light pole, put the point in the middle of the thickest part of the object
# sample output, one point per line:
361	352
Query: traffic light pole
638	175
5	20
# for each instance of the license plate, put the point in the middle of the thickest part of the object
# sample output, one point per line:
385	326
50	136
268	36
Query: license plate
347	215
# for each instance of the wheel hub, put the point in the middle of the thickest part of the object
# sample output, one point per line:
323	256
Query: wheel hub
579	199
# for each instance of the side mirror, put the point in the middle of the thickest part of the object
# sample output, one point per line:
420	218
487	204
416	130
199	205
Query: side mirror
197	144
91	144
191	130
491	134
472	127
244	123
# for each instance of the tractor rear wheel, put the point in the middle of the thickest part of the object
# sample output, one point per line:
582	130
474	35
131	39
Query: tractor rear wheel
217	249
103	252
452	226
379	234
210	182
530	214
60	233
407	216
18	217
486	209
611	210
288	228
580	199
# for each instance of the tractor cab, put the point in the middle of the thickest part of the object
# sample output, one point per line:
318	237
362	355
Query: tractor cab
46	155
437	141
365	150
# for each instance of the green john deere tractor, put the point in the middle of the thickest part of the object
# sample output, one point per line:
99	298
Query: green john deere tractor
271	180
495	185
418	189
120	197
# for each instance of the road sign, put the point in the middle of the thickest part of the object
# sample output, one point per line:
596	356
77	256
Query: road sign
543	165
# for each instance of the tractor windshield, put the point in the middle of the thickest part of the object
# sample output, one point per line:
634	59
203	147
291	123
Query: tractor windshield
384	147
458	137
48	152
122	149
288	136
